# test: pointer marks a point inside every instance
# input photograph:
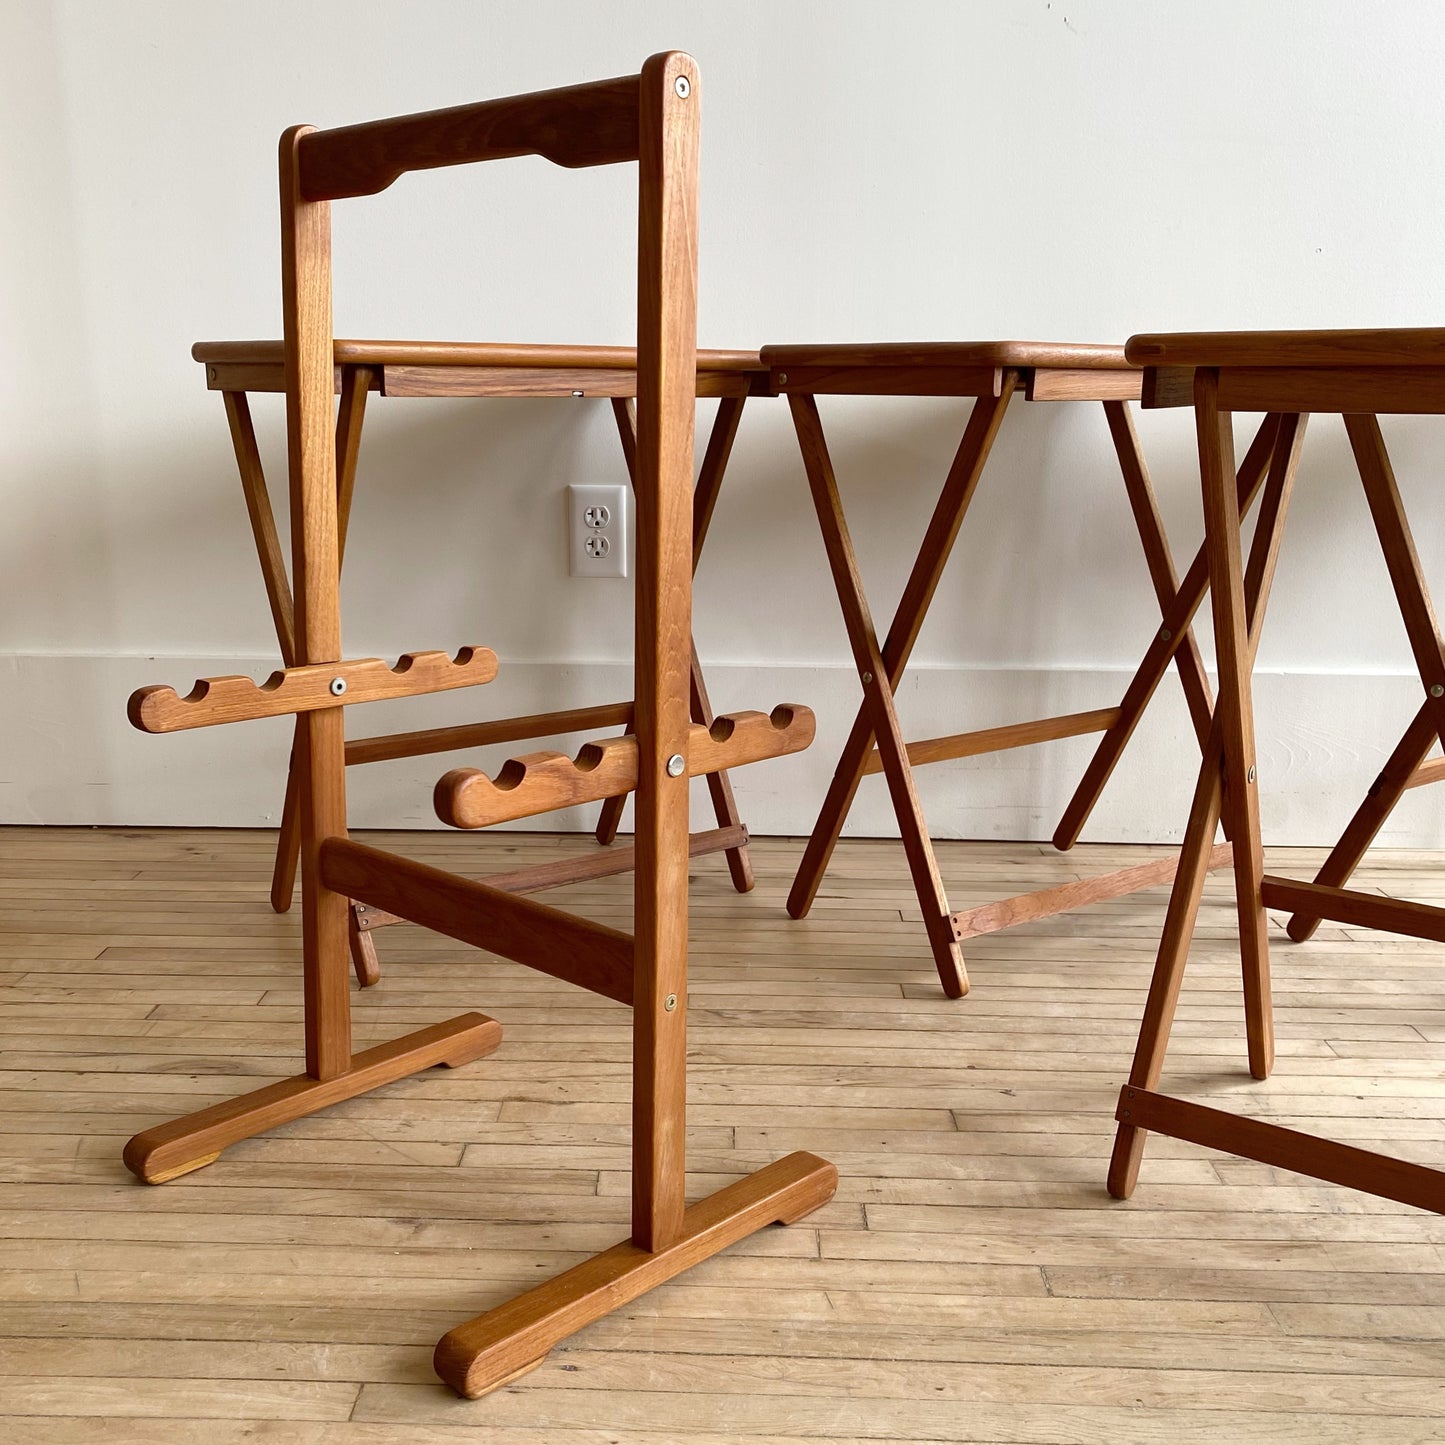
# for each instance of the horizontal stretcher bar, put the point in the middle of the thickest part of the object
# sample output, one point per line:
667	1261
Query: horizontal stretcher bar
1431	771
543	782
602	863
1046	902
480	735
573	949
215	700
1378	1174
997	740
1349	906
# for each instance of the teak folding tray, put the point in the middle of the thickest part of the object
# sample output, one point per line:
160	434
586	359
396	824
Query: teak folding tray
993	373
1359	375
238	369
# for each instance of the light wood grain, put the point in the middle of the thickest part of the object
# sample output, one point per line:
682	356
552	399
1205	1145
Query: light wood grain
975	1251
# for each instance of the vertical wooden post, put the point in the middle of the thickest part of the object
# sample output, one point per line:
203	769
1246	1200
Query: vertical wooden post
315	572
666	386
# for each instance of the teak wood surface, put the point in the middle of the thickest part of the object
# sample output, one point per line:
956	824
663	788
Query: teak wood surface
1360	373
992	372
651	119
475	369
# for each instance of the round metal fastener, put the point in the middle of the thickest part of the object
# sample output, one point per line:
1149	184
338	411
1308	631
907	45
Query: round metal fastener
1165	634
1249	776
782	378
576	393
338	686
682	86
670	1002
867	678
1437	691
675	765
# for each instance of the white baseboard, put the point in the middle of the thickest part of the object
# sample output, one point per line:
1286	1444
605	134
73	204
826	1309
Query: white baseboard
72	758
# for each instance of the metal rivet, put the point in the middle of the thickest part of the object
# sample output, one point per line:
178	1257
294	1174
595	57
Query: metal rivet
338	686
682	86
1165	634
675	765
670	1002
867	678
1437	691
782	378
1249	776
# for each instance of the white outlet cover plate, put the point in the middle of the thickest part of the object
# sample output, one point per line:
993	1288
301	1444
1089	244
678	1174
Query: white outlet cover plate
596	550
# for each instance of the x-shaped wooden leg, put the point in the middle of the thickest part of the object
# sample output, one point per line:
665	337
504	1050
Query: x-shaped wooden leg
705	495
1174	640
881	668
1229	755
355	383
1425	730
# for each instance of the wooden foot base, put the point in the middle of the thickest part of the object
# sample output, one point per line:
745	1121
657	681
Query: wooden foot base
487	1352
190	1143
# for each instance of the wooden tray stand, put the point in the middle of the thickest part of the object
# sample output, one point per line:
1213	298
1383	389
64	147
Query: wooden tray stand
651	119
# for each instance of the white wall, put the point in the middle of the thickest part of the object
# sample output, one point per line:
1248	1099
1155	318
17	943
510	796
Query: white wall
1079	169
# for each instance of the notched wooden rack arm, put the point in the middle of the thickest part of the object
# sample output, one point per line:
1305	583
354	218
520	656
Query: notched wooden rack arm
303	689
541	782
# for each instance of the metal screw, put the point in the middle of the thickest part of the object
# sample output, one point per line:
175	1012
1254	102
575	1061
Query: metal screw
1249	776
675	765
670	1002
1165	634
1437	691
338	686
1123	1113
867	678
782	378
682	87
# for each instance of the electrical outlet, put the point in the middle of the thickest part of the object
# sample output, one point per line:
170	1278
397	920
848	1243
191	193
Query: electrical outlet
597	531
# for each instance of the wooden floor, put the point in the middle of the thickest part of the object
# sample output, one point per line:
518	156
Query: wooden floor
970	1282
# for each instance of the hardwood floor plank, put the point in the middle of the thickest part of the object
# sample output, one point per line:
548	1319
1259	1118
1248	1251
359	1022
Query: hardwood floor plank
971	1281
